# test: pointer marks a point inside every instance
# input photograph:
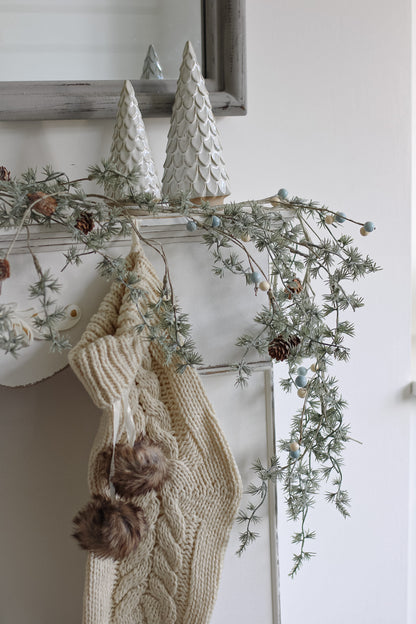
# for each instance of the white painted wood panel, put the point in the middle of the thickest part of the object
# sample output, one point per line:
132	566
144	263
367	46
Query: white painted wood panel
248	591
220	309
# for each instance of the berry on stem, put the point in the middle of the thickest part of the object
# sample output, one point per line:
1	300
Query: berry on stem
191	226
264	285
301	381
369	226
340	217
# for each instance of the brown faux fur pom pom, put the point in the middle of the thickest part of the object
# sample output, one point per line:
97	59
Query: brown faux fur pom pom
137	469
110	528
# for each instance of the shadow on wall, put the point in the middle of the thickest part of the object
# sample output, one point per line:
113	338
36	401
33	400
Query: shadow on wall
46	433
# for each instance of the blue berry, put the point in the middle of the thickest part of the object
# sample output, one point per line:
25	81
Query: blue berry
216	221
301	381
191	226
369	226
302	371
340	217
294	454
255	277
282	193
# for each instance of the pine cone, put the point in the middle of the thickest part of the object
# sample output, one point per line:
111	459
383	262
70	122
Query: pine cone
280	348
45	204
4	174
294	341
85	223
4	269
293	287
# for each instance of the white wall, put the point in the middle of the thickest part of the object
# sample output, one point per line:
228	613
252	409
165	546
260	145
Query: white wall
329	118
344	131
412	466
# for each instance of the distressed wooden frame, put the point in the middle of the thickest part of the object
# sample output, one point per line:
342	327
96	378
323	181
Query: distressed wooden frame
224	70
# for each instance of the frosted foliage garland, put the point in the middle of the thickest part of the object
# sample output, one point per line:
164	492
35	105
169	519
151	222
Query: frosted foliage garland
301	319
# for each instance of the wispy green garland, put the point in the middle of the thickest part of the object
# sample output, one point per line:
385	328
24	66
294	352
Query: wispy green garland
307	298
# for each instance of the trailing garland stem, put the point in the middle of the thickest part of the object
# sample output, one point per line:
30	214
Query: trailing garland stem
289	253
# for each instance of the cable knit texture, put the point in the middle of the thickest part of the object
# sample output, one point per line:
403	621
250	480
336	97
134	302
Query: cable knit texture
173	575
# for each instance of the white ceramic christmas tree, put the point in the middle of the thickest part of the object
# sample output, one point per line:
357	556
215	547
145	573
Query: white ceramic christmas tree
152	69
194	162
130	147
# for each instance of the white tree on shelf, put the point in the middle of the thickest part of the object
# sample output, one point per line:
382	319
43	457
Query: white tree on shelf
130	147
152	69
194	160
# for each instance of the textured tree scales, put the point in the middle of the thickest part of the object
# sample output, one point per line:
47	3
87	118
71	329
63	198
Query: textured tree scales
194	162
130	148
152	69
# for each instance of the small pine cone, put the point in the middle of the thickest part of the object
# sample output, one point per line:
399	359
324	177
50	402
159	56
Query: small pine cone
4	174
293	287
294	341
43	203
280	348
85	223
4	269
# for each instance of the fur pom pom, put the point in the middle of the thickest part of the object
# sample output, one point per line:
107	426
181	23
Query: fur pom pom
110	528
137	469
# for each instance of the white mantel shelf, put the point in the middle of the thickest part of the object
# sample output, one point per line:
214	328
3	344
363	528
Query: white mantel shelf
56	238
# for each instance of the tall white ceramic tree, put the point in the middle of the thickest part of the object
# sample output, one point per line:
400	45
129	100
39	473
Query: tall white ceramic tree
194	162
152	69
130	147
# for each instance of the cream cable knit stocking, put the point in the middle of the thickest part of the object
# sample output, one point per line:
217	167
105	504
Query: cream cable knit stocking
173	575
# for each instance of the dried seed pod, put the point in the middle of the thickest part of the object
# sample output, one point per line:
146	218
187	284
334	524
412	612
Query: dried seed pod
85	223
280	347
4	174
294	341
294	287
110	528
43	203
4	269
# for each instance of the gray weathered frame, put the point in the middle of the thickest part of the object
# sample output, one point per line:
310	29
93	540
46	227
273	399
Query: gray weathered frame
225	73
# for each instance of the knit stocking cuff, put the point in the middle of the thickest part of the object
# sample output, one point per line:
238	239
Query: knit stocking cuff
106	361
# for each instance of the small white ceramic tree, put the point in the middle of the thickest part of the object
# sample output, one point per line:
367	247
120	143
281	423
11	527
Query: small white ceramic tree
194	161
130	147
152	69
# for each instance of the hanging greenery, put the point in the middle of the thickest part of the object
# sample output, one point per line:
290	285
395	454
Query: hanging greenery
302	321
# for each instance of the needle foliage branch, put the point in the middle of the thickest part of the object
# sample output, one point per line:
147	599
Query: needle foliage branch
307	278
